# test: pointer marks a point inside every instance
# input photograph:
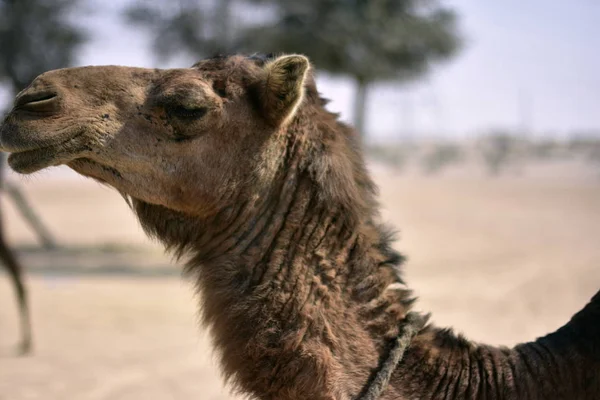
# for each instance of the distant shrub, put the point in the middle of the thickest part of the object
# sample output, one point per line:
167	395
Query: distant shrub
593	154
587	148
499	150
396	155
440	157
544	149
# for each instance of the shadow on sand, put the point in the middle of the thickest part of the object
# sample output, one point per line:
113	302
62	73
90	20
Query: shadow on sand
102	260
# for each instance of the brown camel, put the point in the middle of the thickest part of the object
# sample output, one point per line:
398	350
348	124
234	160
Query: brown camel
236	165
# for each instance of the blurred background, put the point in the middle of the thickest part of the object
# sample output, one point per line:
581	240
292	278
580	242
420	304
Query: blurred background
480	125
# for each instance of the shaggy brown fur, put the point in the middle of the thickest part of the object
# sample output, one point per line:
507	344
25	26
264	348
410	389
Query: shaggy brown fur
236	165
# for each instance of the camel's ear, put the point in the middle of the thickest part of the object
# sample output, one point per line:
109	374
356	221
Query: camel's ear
282	89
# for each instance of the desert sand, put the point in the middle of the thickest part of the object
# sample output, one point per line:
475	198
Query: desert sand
501	260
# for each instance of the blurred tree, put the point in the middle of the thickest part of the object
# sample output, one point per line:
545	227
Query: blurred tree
35	36
370	40
197	27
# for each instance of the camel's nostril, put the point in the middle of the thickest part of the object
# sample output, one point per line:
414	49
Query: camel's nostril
37	101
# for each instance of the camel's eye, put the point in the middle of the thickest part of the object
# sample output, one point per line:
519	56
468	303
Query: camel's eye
190	113
219	88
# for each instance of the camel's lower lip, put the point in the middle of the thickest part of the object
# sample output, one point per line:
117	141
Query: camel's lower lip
27	162
33	160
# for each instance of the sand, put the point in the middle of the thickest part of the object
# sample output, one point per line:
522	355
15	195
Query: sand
501	260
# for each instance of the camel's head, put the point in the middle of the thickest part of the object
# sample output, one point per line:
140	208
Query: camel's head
183	138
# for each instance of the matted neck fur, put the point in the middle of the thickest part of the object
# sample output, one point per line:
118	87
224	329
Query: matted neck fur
236	165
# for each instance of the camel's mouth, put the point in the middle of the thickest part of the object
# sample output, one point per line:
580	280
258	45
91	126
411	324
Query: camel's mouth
37	158
27	162
37	136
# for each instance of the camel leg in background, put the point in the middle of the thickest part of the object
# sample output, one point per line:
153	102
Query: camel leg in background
27	212
15	272
13	191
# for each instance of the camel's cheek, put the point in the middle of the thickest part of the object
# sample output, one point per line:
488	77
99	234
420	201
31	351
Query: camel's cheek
211	175
193	194
203	194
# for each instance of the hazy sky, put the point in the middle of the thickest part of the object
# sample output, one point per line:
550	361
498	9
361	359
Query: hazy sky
531	62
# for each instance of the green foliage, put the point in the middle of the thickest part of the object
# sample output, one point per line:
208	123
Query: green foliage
35	36
369	40
199	28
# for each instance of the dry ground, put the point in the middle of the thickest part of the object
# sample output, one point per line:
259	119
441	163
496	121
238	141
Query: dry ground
501	260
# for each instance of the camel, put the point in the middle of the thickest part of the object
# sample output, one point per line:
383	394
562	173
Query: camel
236	166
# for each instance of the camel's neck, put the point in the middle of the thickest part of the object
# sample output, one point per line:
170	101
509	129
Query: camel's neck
302	303
561	365
293	289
